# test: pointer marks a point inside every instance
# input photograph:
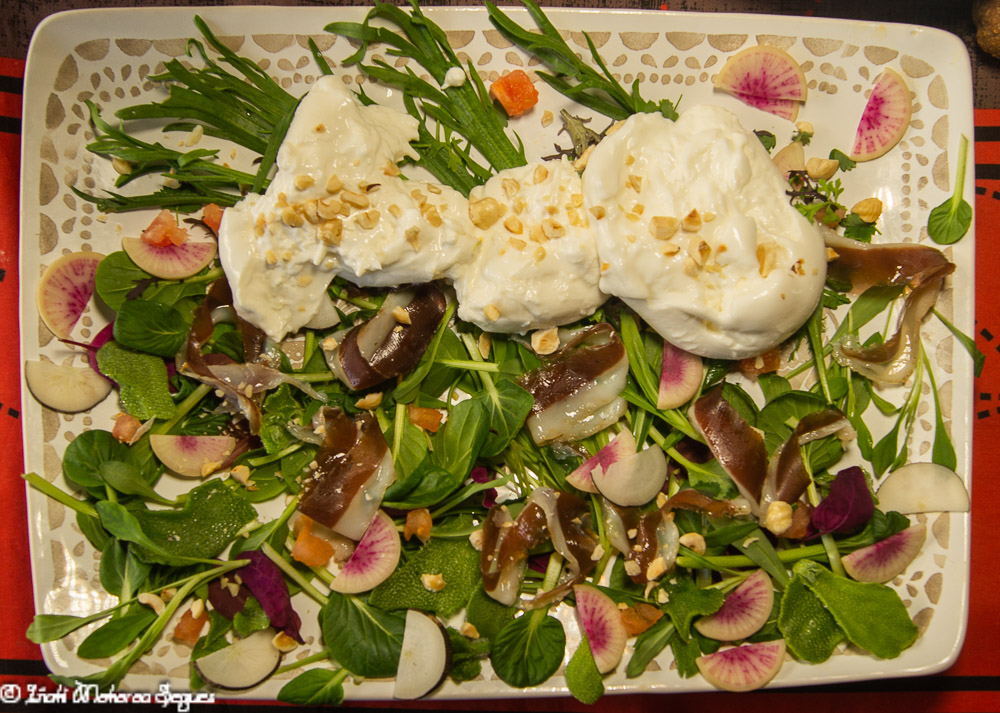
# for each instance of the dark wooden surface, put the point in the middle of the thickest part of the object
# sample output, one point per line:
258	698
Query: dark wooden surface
20	19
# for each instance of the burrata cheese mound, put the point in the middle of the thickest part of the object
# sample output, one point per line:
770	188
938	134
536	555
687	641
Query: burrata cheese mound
536	264
695	232
337	205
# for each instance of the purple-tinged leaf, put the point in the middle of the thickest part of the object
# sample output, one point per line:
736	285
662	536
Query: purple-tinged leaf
848	506
264	580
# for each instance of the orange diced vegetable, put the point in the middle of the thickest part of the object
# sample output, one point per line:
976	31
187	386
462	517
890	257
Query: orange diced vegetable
310	550
639	617
428	419
418	522
211	215
764	363
164	231
515	92
189	627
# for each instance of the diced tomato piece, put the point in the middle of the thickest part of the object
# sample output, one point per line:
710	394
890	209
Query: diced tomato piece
766	363
428	419
164	231
211	215
515	92
418	522
310	550
125	428
189	627
639	617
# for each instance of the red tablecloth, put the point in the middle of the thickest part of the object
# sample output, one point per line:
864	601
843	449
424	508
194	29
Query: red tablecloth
972	684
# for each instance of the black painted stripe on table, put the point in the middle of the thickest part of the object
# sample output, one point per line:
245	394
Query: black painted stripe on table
11	85
988	171
10	125
23	667
986	133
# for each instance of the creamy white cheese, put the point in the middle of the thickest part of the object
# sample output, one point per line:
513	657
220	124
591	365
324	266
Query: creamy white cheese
536	264
695	232
337	206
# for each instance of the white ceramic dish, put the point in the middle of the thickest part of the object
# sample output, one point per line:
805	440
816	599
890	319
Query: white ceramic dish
105	55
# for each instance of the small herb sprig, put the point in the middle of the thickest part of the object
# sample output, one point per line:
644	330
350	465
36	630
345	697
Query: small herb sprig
949	222
574	78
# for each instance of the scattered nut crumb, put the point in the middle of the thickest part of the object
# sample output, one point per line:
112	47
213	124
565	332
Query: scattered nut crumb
370	402
432	582
545	341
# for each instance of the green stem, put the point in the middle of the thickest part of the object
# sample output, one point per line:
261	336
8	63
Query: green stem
44	486
264	460
828	542
963	154
314	377
293	574
486	366
319	656
185	406
741	561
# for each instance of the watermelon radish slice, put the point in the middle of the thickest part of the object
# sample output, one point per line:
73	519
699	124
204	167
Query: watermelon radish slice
621	448
743	668
65	388
790	158
766	78
65	289
192	456
885	118
680	377
170	262
781	108
600	617
887	558
744	612
373	560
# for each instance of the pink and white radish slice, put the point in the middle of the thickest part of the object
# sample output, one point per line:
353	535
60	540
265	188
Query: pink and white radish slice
243	664
885	118
766	78
883	560
599	616
680	377
373	560
170	262
65	289
743	668
744	612
192	456
620	474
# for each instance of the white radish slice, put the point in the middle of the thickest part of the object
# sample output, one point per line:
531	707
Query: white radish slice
241	665
743	668
923	487
373	560
881	561
65	388
885	118
600	618
790	158
170	262
621	448
744	612
326	316
633	481
65	289
680	377
192	456
424	658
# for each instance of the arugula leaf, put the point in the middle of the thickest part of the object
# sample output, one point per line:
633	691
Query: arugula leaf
116	635
685	653
362	638
315	687
978	358
125	478
85	454
458	443
582	677
857	228
942	451
505	417
49	627
648	645
529	649
949	222
767	139
121	572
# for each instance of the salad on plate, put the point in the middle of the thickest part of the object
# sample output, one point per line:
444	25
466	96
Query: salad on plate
399	399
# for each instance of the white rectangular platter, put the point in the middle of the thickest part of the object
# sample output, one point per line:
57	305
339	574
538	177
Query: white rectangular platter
106	56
